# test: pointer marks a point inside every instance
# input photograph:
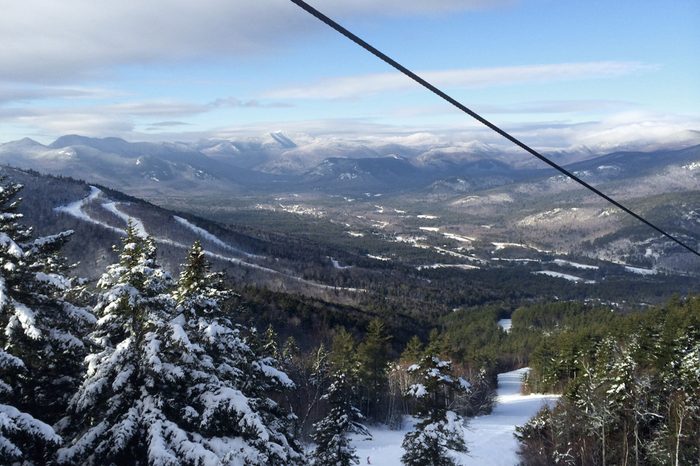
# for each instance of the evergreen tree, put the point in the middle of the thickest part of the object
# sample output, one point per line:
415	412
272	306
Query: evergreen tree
291	353
412	352
331	433
631	392
314	382
41	343
229	381
171	384
343	355
439	431
270	345
373	358
114	415
437	345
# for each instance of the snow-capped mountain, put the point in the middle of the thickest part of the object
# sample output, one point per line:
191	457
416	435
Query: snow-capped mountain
280	163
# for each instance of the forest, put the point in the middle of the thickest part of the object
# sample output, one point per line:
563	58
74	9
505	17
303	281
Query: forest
141	367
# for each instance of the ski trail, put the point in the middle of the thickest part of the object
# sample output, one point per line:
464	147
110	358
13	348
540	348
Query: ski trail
74	209
136	223
489	438
261	268
204	234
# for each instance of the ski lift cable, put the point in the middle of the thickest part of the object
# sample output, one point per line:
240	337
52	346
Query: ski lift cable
435	90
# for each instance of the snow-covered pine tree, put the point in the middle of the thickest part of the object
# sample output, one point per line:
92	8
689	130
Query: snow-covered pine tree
116	415
227	403
331	433
168	386
439	431
41	343
333	445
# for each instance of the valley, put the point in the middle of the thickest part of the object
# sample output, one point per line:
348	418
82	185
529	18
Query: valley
419	211
409	248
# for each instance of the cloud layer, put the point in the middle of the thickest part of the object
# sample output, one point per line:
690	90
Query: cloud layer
61	41
369	84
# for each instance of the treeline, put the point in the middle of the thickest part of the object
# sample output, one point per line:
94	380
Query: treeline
630	383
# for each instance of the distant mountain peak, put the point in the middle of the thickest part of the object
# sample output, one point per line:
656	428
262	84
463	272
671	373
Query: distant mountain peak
283	140
25	143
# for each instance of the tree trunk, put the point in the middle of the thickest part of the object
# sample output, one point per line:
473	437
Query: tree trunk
603	427
636	441
678	435
625	444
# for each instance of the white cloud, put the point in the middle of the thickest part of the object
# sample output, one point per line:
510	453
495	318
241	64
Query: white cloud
637	131
369	84
619	131
63	41
9	94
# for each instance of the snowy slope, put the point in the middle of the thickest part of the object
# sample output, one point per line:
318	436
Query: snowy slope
76	209
489	438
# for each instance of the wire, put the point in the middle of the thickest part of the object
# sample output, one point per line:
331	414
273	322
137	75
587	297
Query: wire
314	12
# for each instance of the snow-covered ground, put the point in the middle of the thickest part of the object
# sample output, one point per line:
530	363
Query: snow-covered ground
565	276
460	238
505	324
204	234
379	258
640	270
575	264
489	438
448	266
75	209
136	223
336	265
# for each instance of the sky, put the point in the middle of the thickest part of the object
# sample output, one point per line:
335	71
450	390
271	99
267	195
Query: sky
560	74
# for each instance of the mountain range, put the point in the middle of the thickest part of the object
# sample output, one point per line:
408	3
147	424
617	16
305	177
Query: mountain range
389	190
279	164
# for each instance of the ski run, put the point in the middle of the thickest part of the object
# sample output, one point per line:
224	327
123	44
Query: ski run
76	210
489	438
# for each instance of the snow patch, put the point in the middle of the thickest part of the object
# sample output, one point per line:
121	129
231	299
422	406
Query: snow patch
576	265
500	246
204	234
136	223
505	324
337	266
59	281
571	278
640	270
447	266
490	438
10	246
460	238
379	258
75	209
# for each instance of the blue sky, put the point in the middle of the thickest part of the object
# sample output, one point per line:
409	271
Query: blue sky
559	73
